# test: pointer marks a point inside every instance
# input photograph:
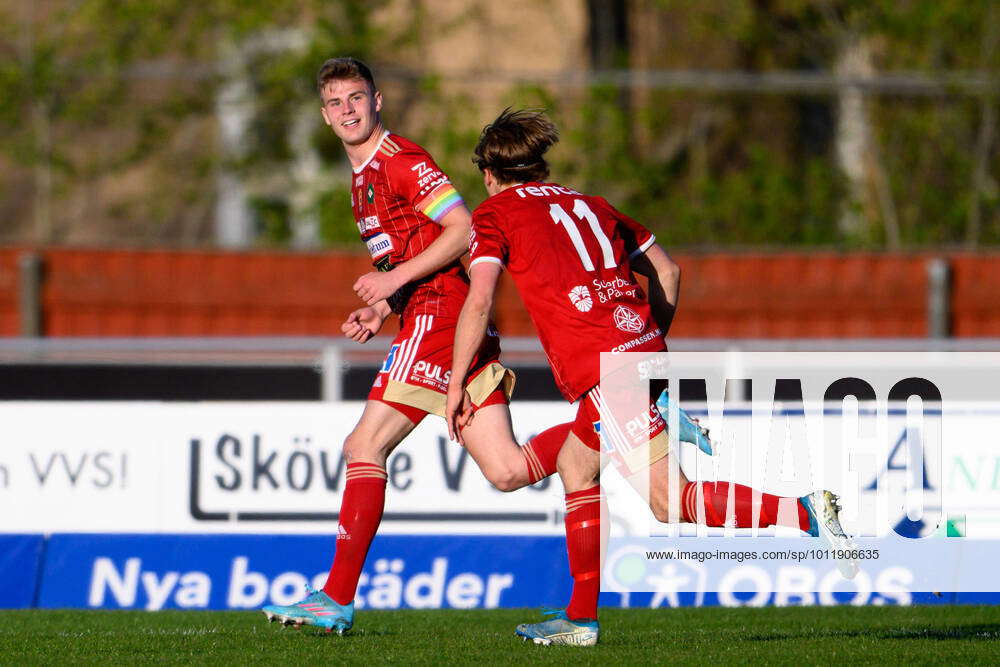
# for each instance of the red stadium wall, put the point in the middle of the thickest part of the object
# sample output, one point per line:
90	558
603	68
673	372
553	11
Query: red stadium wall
802	296
975	295
196	293
10	324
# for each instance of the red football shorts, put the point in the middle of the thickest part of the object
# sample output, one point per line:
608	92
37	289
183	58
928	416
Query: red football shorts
414	377
621	437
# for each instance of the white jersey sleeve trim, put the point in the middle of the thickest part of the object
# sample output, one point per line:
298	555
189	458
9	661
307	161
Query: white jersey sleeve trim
492	260
644	247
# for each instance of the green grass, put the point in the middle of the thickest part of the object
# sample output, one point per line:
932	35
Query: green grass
800	635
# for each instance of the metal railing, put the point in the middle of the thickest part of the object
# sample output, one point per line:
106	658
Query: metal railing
333	357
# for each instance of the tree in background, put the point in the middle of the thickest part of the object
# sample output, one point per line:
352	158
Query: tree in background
176	123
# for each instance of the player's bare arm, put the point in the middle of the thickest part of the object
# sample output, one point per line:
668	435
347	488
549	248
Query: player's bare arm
446	248
364	323
664	283
469	334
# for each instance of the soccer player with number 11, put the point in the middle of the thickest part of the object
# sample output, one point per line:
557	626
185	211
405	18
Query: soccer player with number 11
573	258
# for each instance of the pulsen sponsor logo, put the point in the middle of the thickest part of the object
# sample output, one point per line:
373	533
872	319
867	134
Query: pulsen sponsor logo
642	425
579	296
431	371
628	320
379	245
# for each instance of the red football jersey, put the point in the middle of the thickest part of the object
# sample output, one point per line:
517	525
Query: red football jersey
569	255
398	196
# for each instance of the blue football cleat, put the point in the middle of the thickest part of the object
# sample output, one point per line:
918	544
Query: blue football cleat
560	630
824	521
316	609
690	430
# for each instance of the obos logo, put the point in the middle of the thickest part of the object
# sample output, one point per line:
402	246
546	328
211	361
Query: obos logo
580	297
628	569
628	320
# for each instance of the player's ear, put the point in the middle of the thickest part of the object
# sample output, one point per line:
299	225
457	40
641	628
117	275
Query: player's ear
378	101
326	118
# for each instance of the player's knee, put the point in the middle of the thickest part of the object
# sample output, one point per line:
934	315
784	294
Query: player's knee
575	476
505	479
359	447
661	510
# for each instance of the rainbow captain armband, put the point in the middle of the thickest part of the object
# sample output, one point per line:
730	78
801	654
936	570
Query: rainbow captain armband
439	201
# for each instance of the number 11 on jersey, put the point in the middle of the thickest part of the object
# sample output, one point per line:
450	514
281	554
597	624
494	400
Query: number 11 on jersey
583	212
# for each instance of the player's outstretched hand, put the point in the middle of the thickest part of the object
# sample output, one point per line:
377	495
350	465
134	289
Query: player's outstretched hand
362	324
375	286
457	412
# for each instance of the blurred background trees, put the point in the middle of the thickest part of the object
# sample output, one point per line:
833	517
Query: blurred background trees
721	123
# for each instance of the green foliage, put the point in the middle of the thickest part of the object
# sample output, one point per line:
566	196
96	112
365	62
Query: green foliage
272	216
333	209
97	90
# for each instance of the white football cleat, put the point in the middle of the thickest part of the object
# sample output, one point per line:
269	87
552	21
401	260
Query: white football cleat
824	521
560	630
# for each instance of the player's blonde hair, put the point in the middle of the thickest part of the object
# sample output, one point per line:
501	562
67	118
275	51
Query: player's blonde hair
512	146
338	69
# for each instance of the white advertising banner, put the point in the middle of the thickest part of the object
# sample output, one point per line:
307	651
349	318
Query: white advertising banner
244	467
277	468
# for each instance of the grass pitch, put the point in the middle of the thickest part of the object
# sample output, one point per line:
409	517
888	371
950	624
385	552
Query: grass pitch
797	635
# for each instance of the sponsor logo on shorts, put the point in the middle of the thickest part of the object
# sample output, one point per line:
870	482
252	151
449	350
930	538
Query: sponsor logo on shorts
606	443
579	296
642	427
378	245
628	320
389	359
428	373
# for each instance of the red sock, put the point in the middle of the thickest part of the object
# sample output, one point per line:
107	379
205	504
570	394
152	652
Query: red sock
583	542
540	453
717	495
360	514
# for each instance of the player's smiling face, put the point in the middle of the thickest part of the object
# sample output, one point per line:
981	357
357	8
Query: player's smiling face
351	108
